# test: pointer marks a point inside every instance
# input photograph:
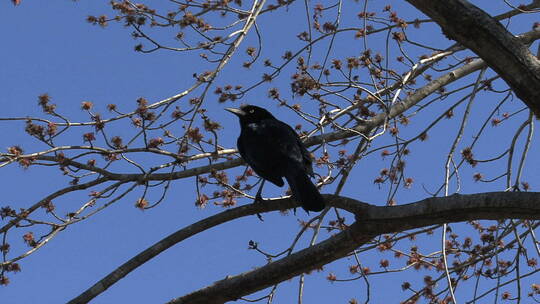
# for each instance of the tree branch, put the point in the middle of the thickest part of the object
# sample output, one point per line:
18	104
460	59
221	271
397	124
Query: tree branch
484	35
371	221
399	108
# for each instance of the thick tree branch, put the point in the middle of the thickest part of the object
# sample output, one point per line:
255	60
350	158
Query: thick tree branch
371	221
502	51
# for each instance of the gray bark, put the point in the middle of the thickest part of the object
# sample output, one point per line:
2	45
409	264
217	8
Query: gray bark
371	222
487	37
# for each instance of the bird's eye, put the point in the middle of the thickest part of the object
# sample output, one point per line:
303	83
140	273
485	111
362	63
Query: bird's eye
251	111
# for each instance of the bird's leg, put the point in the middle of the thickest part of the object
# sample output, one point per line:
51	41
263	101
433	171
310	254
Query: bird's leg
259	199
258	196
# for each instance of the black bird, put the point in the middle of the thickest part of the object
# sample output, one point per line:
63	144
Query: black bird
274	150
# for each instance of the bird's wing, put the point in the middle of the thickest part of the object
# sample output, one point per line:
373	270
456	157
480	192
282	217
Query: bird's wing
291	146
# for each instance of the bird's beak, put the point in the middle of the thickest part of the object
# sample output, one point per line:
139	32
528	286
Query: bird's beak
236	112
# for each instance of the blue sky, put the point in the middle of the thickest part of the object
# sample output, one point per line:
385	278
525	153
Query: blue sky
49	47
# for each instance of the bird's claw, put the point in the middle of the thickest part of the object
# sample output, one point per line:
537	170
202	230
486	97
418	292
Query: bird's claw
258	199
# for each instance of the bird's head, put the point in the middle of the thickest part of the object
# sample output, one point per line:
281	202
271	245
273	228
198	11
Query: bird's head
250	114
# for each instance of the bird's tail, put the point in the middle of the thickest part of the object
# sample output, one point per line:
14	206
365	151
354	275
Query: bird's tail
304	191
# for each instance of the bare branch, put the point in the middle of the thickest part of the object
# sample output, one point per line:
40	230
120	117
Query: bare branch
475	29
371	221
